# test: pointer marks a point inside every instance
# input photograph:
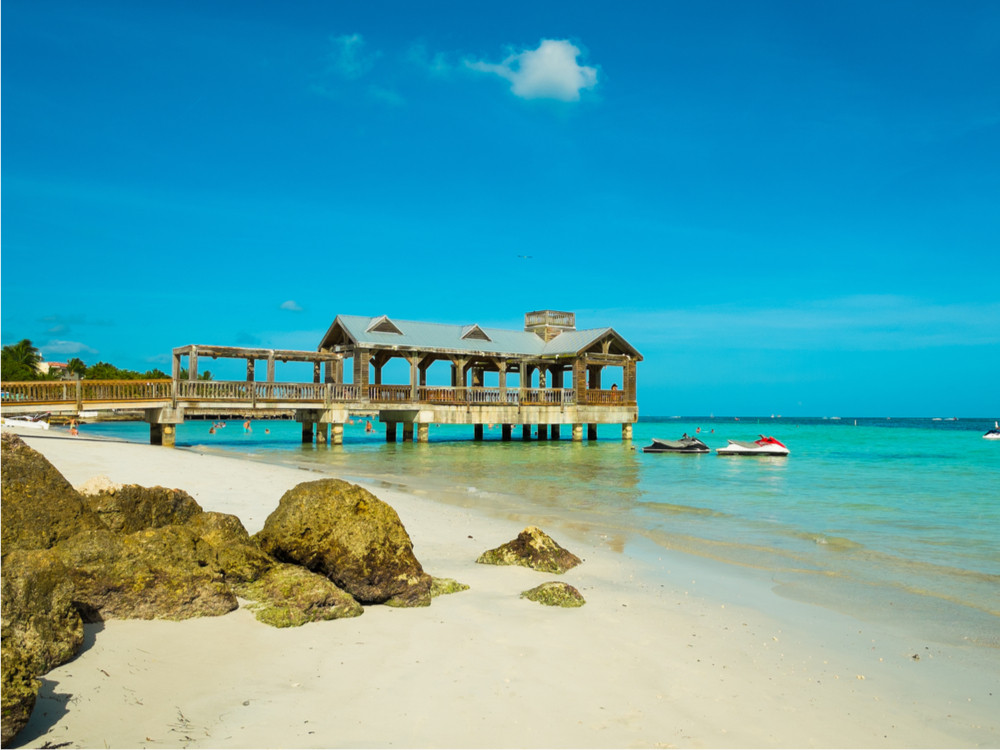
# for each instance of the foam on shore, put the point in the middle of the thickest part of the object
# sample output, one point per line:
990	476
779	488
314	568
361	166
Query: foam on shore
670	650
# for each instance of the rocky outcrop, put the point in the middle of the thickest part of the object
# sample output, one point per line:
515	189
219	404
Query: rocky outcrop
130	508
555	594
345	533
167	573
236	554
40	508
37	611
442	586
532	548
289	595
19	691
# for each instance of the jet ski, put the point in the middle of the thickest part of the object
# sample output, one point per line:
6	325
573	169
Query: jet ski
686	444
993	434
766	446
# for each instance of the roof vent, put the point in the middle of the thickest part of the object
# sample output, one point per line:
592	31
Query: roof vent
382	324
549	323
475	332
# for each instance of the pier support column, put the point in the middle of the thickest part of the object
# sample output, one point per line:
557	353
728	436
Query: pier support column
477	432
554	432
627	431
337	433
163	434
423	432
526	432
321	433
578	433
505	433
591	432
543	432
407	432
390	432
307	432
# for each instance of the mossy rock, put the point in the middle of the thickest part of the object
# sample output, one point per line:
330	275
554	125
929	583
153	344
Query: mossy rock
345	533
555	594
289	595
165	573
19	690
38	613
534	549
40	508
442	586
131	508
238	556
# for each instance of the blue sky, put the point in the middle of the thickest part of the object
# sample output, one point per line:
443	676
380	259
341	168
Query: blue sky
788	207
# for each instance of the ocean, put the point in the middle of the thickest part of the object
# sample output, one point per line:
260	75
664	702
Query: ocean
894	520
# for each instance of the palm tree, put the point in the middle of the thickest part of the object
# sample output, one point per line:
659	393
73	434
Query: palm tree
20	361
76	367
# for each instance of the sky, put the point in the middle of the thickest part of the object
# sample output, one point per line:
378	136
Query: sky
788	207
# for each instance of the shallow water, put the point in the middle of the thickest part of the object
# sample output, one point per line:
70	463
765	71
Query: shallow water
895	520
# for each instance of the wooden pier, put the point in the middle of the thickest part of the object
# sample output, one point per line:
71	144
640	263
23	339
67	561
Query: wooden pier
549	377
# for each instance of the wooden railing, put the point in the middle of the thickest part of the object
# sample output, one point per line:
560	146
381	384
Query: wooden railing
250	393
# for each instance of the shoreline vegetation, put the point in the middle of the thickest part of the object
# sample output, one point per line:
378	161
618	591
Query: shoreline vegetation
670	650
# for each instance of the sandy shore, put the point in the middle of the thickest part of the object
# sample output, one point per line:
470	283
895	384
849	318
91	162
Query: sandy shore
669	651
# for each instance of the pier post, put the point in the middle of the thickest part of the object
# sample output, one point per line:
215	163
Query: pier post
321	432
477	432
407	432
505	433
627	431
543	432
307	432
390	432
526	432
554	432
591	432
578	433
423	432
337	433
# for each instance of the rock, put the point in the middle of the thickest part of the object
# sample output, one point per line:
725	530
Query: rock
347	534
19	690
442	586
236	553
555	594
97	485
39	508
167	573
532	548
289	595
37	611
131	507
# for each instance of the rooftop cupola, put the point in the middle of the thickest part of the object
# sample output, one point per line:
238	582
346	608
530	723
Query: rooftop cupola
549	323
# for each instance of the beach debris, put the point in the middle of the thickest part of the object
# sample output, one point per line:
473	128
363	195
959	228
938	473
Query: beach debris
344	532
532	548
40	508
442	586
131	507
289	595
555	594
98	484
19	691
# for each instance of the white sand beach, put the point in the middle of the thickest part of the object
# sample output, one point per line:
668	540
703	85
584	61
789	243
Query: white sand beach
669	651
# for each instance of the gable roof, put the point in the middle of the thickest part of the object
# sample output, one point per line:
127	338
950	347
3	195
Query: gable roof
372	332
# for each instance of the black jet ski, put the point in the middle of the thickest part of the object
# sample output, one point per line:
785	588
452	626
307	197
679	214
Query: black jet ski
686	444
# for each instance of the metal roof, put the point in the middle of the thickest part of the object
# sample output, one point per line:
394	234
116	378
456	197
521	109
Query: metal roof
419	336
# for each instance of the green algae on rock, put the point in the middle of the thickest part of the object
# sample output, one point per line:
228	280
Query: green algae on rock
534	549
344	532
19	691
131	508
443	586
289	595
555	594
237	555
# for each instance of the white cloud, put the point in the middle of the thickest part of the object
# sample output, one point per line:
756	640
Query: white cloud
58	346
291	305
348	57
549	72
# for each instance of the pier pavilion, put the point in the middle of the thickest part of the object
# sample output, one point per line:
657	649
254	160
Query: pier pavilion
544	378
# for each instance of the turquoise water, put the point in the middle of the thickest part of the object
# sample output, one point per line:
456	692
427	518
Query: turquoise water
895	519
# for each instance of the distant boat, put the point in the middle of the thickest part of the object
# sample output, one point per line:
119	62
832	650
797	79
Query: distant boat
34	423
766	446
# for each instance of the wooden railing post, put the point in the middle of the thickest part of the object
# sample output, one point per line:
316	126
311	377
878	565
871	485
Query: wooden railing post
79	394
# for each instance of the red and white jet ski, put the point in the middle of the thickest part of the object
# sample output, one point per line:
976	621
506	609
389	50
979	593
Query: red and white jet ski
766	446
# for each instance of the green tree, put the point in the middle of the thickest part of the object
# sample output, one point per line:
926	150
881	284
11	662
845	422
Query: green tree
76	367
20	361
